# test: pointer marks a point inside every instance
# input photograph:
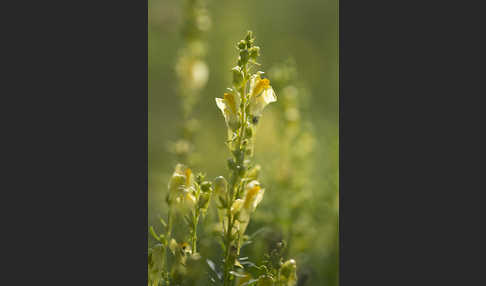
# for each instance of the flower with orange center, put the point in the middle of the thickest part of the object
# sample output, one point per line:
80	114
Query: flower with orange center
181	187
261	94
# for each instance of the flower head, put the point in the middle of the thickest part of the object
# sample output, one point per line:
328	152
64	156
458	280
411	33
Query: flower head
246	206
181	187
229	106
253	196
261	94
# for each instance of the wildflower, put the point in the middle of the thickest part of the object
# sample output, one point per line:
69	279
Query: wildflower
245	207
253	196
180	187
220	186
185	248
261	94
229	106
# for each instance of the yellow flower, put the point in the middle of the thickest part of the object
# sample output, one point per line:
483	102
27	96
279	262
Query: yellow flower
229	106
253	196
261	94
244	207
181	187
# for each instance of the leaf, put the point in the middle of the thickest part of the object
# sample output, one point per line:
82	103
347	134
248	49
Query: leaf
250	282
237	263
260	230
236	274
152	232
162	221
213	267
189	221
249	264
246	243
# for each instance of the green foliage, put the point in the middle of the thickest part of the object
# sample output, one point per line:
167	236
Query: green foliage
208	234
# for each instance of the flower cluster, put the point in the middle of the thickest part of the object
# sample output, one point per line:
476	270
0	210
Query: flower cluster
189	194
242	107
188	197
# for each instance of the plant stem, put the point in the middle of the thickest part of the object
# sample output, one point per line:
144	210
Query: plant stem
235	181
168	236
195	221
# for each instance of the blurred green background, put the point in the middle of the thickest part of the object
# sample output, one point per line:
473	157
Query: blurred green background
304	30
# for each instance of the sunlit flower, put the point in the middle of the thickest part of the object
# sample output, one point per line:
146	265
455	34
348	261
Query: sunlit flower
261	94
246	206
229	106
253	196
181	187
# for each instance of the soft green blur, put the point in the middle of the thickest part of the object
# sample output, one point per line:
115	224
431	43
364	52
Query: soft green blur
307	32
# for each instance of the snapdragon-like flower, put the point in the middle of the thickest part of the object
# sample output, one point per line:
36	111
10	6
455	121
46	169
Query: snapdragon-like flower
229	106
181	187
261	94
246	206
253	196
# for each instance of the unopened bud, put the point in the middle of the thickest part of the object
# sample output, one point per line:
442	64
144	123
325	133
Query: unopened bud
241	44
254	52
237	77
206	186
220	186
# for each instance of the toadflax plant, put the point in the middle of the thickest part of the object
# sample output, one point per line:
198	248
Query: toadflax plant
237	197
242	107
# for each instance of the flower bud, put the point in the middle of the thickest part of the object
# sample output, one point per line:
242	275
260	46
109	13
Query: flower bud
231	164
254	172
241	44
220	186
176	182
203	203
254	52
288	272
173	245
206	186
237	77
249	37
244	56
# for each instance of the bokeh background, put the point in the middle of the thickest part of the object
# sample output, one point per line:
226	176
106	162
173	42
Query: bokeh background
303	30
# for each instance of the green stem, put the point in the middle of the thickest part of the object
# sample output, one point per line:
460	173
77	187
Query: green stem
195	221
168	236
235	181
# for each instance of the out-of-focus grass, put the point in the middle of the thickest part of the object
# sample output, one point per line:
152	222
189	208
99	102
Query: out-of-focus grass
304	30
